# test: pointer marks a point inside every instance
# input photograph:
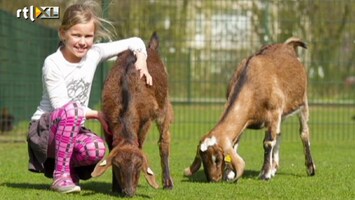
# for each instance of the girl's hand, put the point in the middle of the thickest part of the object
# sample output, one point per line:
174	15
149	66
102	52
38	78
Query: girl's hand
94	114
102	120
141	66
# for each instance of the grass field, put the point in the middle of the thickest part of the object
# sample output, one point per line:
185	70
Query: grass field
334	159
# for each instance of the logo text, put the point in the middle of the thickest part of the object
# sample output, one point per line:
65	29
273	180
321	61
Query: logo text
42	12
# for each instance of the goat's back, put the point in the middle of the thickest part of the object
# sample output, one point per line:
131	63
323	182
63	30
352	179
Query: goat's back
125	93
272	78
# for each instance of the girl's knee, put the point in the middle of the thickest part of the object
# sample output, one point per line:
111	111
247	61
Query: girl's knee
96	150
91	150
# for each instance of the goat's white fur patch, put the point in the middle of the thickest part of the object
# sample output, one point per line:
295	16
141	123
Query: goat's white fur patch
103	163
149	171
207	143
231	175
235	147
187	172
273	172
294	112
214	158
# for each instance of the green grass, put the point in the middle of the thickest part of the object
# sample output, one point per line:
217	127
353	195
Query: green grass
334	178
333	155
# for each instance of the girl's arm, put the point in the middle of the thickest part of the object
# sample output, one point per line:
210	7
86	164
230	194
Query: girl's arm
54	84
141	66
94	114
135	44
110	49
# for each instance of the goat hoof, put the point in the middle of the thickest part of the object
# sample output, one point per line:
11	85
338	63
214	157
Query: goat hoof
264	177
168	187
229	175
168	184
311	171
187	172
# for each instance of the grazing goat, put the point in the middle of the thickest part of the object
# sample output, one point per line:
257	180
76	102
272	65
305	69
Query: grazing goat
265	89
130	106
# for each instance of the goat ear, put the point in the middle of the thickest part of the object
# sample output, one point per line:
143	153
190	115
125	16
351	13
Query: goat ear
104	164
196	164
149	174
101	167
154	41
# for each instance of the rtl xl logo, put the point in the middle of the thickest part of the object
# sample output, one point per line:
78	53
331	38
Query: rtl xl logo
43	12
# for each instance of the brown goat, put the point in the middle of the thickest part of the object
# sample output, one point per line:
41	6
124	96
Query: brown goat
265	89
130	106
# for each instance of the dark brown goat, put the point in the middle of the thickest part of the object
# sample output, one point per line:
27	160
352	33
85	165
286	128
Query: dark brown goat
265	89
130	106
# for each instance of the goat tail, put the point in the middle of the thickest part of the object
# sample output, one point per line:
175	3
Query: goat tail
295	42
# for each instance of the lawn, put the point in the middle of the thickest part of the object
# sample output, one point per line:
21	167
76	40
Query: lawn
334	177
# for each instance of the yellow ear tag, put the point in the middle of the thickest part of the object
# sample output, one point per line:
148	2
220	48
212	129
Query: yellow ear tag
228	158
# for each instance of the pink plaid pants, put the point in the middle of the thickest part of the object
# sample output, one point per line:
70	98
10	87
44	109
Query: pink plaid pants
69	143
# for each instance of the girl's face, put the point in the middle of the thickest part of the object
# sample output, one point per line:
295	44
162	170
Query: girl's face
78	39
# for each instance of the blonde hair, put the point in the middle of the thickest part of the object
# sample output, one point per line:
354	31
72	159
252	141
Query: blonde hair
83	12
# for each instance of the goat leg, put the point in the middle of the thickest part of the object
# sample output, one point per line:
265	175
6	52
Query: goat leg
164	148
196	164
269	143
304	134
115	185
276	155
237	163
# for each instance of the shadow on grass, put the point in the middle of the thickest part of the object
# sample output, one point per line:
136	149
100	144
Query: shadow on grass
89	188
105	188
290	174
27	186
200	177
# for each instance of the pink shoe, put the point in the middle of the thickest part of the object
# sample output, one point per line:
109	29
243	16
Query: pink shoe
64	184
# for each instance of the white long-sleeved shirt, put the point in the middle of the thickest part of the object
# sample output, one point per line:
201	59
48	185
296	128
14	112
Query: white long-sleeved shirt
64	81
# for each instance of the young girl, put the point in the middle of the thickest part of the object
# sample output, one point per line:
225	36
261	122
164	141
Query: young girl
58	143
